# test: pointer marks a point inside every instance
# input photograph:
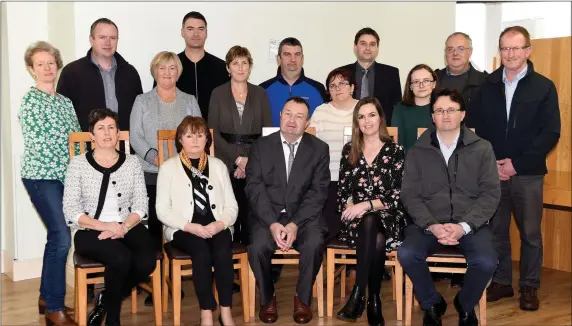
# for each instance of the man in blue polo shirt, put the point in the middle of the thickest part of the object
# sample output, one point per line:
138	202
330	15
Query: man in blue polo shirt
291	81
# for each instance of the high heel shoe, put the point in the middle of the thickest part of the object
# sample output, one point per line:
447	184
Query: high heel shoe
354	307
97	315
374	315
59	318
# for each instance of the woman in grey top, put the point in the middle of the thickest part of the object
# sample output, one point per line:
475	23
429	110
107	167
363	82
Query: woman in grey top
237	112
162	108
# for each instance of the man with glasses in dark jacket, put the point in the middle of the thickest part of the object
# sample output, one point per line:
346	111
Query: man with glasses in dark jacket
450	190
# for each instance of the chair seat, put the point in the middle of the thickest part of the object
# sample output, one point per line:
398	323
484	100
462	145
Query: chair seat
449	252
336	243
178	254
82	262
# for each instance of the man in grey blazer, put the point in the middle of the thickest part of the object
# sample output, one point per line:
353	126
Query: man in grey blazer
287	185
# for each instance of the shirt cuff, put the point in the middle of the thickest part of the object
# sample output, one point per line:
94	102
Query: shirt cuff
141	214
465	227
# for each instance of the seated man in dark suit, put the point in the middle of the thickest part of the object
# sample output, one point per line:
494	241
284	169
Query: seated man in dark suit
287	179
450	190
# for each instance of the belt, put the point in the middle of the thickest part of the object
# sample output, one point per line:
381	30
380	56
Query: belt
239	139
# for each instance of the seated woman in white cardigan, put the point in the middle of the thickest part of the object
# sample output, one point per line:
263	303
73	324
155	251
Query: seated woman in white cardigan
105	198
196	203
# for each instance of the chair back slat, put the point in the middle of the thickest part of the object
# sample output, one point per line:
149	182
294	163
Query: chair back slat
83	140
168	136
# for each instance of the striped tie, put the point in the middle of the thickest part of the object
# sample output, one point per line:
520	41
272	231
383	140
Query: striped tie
200	195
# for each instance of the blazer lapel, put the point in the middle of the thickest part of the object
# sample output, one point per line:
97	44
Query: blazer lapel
278	157
303	155
231	103
247	115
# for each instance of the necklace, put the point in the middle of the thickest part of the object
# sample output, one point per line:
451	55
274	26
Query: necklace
104	162
187	162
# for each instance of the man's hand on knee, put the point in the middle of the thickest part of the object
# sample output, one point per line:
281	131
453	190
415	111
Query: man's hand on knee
291	232
279	233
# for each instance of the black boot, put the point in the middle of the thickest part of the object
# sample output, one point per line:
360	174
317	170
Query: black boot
466	318
432	316
97	315
374	315
354	307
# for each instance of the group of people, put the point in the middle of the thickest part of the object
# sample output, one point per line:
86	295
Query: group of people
452	186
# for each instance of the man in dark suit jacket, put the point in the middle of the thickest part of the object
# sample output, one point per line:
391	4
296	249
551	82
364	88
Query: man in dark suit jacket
382	81
287	184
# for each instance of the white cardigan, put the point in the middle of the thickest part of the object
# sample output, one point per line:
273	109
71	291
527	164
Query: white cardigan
175	202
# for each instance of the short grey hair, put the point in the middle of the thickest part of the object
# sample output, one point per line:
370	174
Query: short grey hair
465	35
42	46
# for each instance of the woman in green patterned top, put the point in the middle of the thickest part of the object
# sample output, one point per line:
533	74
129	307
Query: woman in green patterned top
46	119
414	111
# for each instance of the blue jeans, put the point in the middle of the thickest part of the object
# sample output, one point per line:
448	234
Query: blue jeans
478	249
47	196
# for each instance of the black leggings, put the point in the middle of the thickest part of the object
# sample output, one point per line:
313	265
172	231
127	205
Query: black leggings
208	253
128	262
370	250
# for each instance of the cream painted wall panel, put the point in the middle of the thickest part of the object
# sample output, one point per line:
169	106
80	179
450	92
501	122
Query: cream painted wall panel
326	30
29	231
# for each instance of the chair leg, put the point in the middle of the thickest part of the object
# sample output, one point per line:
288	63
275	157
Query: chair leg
244	286
408	300
342	282
156	285
134	300
165	286
330	265
393	283
176	292
251	292
76	300
398	292
483	309
82	296
215	292
315	290
320	289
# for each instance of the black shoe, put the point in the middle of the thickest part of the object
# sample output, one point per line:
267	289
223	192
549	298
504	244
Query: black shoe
353	309
457	281
149	300
90	292
97	315
374	315
432	316
466	318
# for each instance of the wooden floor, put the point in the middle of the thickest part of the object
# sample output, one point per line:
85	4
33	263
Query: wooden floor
19	305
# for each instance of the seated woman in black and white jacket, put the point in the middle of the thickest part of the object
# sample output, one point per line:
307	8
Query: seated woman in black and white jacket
105	200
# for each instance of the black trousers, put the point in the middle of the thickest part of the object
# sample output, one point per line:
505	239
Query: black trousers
478	249
370	252
330	212
128	262
208	253
309	243
522	194
241	225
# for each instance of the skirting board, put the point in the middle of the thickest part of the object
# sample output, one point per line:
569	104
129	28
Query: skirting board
6	262
70	275
26	269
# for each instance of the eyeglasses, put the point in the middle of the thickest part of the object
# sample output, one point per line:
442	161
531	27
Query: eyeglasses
514	48
459	49
424	82
339	86
448	111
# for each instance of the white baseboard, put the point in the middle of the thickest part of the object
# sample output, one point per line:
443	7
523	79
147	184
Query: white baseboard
70	275
6	261
26	269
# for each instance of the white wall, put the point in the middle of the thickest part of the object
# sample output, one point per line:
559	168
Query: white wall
326	30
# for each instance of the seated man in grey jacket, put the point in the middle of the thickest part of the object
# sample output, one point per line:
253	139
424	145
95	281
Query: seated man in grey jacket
450	191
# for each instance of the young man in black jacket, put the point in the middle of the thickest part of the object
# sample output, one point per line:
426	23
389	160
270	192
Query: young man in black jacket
101	79
518	113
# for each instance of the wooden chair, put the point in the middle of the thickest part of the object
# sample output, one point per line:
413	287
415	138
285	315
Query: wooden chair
86	268
318	288
178	259
448	255
337	252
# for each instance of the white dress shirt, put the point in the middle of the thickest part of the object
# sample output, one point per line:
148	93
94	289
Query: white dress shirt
447	152
110	210
510	87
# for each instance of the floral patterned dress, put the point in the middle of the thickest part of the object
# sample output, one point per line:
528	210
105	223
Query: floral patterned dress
381	181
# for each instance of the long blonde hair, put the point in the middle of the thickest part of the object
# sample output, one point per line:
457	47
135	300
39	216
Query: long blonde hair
357	135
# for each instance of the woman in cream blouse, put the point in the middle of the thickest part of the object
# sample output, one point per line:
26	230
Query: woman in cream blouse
196	203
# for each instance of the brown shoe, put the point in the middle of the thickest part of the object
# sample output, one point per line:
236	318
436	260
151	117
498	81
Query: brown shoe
59	318
529	298
42	307
302	313
497	291
269	313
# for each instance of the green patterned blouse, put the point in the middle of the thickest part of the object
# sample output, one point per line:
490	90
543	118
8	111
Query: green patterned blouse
46	122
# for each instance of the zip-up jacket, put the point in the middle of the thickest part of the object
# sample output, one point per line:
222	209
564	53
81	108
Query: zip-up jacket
465	190
532	128
278	91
